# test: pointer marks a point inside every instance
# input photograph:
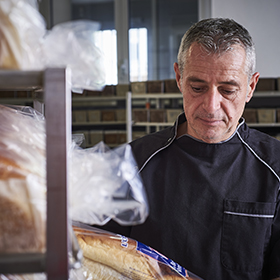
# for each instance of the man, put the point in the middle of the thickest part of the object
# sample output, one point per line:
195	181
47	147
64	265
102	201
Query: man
212	182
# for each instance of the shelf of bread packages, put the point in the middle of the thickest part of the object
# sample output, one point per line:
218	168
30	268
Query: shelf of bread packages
54	260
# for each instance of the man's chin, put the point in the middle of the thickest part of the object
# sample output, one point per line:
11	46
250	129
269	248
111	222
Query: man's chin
212	136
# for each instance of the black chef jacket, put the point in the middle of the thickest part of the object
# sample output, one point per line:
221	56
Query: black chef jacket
214	208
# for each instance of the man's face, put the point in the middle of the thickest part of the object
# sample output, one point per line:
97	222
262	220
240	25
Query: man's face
215	90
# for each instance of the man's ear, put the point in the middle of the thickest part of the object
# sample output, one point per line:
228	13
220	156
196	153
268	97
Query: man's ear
178	75
252	85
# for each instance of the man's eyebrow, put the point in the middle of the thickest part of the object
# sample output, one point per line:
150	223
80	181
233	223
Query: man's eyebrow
195	79
198	80
231	82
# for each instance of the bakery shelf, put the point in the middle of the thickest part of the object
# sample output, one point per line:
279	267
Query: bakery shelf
16	101
57	109
17	80
22	263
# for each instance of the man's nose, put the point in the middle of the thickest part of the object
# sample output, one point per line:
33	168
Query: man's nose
212	100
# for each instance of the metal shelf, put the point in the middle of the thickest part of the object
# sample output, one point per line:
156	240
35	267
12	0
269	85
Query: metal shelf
57	105
15	100
22	263
17	80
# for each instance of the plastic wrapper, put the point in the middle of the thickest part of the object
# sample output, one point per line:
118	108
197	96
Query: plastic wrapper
22	29
26	44
106	179
112	256
103	185
72	45
22	180
109	256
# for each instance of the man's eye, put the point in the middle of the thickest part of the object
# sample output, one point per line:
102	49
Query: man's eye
197	89
228	92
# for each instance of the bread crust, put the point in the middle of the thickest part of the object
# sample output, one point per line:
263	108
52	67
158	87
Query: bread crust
120	254
99	271
21	225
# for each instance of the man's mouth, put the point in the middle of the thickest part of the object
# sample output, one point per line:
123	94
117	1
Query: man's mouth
210	121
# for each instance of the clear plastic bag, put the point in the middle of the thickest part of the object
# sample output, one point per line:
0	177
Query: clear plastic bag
107	181
71	44
109	256
112	256
22	180
26	44
104	183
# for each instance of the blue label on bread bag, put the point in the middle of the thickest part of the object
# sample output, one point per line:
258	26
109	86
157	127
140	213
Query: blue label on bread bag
161	258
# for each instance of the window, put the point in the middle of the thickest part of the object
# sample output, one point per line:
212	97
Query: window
138	54
166	22
155	31
106	41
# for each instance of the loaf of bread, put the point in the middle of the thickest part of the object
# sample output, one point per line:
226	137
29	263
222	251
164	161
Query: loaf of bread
22	29
112	256
98	271
10	47
22	225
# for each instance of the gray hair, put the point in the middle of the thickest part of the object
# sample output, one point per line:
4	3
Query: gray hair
216	36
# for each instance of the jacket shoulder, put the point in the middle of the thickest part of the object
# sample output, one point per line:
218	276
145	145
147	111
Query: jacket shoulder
266	147
149	144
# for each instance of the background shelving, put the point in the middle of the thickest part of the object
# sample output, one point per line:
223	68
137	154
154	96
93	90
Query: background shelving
124	127
162	102
269	103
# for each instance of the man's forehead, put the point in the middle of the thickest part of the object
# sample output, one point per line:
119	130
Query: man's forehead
197	49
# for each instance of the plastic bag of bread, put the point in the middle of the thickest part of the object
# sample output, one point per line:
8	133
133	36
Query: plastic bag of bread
22	181
72	44
26	44
109	256
103	184
22	29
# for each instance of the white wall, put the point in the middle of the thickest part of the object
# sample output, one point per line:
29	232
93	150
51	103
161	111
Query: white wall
262	19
